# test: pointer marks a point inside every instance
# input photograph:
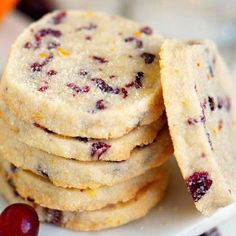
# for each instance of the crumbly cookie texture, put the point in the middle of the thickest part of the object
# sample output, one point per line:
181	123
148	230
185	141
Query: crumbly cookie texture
67	199
79	148
200	105
108	217
79	174
88	75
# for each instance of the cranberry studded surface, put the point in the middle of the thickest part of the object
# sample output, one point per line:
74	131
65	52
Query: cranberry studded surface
99	149
19	220
198	184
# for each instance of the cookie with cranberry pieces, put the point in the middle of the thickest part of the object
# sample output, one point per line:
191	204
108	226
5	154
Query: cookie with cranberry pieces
82	174
200	104
107	217
28	184
80	148
89	75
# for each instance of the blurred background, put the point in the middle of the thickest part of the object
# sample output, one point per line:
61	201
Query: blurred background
198	19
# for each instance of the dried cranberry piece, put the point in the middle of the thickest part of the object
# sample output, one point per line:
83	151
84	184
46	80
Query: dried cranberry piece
192	121
124	92
129	85
46	32
51	72
100	105
148	57
202	117
37	67
78	89
101	60
19	219
138	79
83	72
90	26
220	102
98	149
88	37
28	45
58	18
203	107
103	86
198	184
138	43
44	87
53	216
146	30
211	103
203	155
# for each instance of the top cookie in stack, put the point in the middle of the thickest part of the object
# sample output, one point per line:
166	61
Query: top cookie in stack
81	74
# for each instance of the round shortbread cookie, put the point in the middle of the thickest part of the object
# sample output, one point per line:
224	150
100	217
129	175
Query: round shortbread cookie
82	149
200	105
110	216
65	199
88	75
72	173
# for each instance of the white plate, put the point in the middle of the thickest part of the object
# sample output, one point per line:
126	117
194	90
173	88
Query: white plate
175	215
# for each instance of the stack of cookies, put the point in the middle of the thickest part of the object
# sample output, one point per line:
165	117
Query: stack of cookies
84	135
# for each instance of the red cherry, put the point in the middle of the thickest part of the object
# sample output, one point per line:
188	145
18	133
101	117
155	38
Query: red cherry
19	220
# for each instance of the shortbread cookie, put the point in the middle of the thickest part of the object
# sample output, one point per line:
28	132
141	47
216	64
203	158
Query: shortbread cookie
110	216
89	75
28	185
82	149
200	104
71	173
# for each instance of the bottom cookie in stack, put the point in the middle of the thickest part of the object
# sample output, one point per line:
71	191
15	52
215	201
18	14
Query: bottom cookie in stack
151	191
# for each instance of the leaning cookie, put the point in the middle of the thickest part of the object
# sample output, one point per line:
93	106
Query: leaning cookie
79	148
68	199
88	75
79	174
108	217
200	105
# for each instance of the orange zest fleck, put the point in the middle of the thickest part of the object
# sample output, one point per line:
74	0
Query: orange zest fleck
137	34
62	52
43	54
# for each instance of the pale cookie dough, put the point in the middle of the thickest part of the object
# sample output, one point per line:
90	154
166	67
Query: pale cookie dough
44	193
71	173
78	148
88	74
108	217
200	105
